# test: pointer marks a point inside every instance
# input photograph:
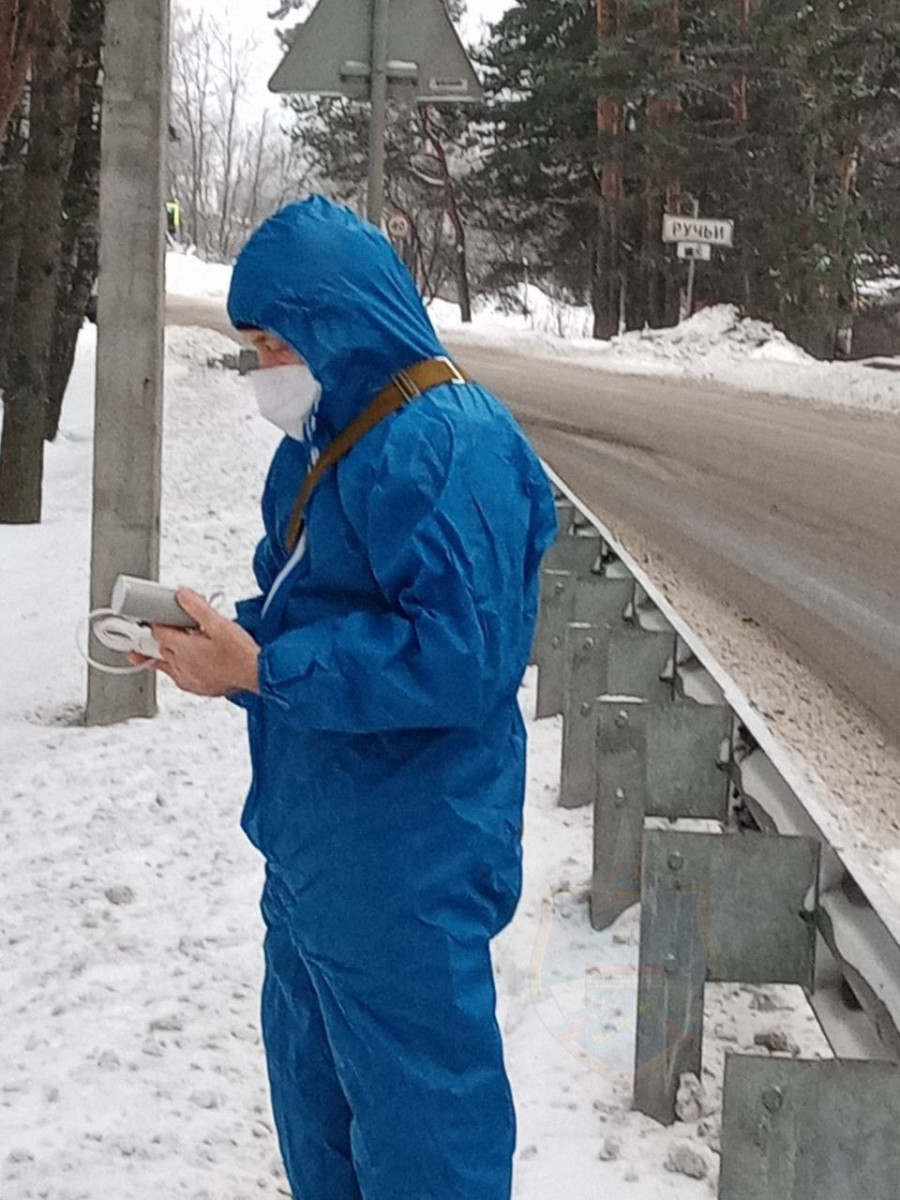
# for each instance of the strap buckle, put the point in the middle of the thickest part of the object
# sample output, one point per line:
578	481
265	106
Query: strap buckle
457	376
406	385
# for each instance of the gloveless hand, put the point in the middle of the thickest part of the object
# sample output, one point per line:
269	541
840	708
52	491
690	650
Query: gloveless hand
212	660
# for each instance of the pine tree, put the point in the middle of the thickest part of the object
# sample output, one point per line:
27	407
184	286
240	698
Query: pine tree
537	189
781	116
822	97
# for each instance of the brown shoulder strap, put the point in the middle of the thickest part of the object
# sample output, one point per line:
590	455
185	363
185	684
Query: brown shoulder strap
405	386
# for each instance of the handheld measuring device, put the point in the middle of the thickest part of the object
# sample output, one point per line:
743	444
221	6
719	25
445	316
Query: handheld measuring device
124	627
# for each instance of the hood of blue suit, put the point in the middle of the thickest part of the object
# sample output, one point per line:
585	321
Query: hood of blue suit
332	288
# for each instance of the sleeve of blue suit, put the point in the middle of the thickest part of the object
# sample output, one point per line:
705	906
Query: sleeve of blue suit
436	656
248	614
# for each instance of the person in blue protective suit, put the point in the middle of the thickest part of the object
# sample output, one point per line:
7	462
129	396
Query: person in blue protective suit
379	669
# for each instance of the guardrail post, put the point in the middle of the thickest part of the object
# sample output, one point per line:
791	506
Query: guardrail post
601	659
718	907
564	599
557	606
579	553
650	760
795	1130
565	516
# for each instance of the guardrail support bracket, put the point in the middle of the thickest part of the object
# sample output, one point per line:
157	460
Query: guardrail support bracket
731	907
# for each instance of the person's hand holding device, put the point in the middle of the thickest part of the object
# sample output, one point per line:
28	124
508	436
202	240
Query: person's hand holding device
213	658
175	632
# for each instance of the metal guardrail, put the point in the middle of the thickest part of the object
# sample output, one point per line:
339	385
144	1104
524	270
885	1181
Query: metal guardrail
654	727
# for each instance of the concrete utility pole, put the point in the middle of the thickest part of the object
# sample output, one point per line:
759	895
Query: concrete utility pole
381	23
128	439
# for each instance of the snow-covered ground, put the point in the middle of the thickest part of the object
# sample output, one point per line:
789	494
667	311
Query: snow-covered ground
522	314
188	275
129	1044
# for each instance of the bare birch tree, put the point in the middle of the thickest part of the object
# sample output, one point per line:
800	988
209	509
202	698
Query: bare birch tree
229	167
192	69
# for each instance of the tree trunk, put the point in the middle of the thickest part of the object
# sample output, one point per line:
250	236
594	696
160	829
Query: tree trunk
606	285
229	153
16	34
22	460
251	208
12	182
636	263
662	289
461	260
53	118
81	231
462	279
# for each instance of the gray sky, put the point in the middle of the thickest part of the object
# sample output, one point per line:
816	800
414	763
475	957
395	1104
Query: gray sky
248	19
483	11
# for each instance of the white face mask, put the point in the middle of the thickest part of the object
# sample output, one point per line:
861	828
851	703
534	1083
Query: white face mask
286	396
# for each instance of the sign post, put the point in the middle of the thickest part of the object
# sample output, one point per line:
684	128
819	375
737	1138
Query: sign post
695	238
376	51
381	16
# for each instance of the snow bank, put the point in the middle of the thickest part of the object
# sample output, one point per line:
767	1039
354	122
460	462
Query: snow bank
518	311
882	290
195	345
716	345
718	332
188	275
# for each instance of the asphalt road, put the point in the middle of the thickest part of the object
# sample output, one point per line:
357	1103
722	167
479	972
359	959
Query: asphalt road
789	510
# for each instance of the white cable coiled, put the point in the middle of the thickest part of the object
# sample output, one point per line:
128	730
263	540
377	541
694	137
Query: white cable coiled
116	633
123	636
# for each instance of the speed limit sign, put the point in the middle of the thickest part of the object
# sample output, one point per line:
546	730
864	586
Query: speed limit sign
399	227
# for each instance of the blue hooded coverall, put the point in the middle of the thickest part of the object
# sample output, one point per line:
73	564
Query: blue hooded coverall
387	746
